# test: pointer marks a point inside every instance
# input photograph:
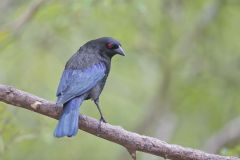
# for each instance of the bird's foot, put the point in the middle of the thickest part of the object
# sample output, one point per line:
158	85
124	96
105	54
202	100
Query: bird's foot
100	125
102	120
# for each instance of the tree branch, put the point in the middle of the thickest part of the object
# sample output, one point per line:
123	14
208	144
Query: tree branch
16	26
229	135
131	141
27	16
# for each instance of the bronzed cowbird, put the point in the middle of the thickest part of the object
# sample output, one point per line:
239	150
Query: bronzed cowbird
83	78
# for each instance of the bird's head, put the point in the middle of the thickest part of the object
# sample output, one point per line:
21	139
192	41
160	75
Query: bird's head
108	46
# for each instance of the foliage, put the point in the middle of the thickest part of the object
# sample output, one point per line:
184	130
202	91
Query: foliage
193	43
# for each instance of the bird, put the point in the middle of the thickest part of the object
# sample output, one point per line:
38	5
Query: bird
83	78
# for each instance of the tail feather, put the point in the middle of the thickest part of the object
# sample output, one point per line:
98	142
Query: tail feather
68	121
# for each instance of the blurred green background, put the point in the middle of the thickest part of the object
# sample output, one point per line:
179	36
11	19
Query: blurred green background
179	81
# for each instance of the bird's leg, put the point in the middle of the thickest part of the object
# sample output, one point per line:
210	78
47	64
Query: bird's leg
98	107
101	119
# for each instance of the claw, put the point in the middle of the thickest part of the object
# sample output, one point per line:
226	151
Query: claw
100	124
102	120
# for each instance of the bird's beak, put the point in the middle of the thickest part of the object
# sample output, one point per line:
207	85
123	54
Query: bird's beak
120	51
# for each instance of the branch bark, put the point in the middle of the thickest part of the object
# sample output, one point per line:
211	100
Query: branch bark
130	140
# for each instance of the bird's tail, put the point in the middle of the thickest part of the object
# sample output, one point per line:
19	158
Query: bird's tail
68	121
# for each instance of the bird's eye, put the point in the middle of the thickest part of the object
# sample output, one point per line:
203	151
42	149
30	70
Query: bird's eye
112	46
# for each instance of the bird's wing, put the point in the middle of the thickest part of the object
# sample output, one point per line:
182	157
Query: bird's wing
75	82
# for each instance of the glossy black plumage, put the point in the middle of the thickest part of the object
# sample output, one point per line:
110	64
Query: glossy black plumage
84	78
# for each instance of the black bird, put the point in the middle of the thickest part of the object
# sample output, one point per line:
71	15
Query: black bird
83	78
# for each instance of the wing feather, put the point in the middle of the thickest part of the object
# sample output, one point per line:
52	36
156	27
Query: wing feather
75	82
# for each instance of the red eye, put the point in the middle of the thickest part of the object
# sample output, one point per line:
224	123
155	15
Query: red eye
112	46
109	45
